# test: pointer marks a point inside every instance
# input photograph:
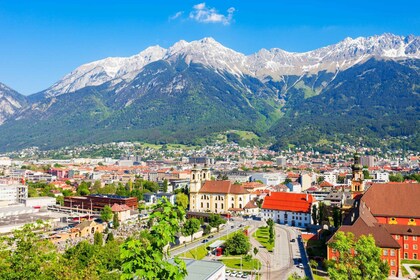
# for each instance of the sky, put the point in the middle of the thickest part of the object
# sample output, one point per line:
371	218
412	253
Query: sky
41	41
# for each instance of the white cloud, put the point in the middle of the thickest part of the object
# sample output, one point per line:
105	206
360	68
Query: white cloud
202	13
177	15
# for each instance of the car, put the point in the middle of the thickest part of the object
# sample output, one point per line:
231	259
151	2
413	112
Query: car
205	240
241	225
211	236
227	272
293	240
239	275
232	226
300	265
233	274
245	275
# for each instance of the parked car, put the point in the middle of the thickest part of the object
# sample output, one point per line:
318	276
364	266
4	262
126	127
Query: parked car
300	265
293	240
245	275
211	236
233	274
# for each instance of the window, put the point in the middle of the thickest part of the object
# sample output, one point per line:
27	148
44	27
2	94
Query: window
240	198
414	256
405	246
233	199
222	206
215	206
415	247
392	263
415	238
397	237
392	253
405	237
385	252
405	255
233	206
393	272
201	204
208	205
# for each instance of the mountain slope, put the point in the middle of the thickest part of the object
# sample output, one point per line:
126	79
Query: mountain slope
10	102
364	104
361	89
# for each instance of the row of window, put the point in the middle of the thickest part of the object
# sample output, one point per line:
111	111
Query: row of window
219	197
406	237
222	206
407	256
414	246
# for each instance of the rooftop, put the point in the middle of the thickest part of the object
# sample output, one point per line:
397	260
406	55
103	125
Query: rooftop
283	201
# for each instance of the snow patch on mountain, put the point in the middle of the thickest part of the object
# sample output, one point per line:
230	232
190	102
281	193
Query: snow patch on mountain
265	64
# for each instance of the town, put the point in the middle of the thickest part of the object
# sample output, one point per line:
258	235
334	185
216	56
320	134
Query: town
247	212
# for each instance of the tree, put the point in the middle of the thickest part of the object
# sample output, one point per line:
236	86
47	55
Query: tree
271	235
356	259
181	199
190	227
98	239
106	213
313	264
60	199
336	217
314	214
31	257
96	186
255	251
396	177
165	185
115	221
110	237
146	257
237	244
216	220
295	276
321	213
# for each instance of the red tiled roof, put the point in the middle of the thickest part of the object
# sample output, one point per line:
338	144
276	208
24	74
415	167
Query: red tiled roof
325	184
119	207
251	204
224	187
393	200
295	202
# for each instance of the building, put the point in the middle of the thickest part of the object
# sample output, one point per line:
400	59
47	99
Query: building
216	196
368	161
288	208
205	270
357	182
281	161
98	201
269	179
39	202
380	177
201	160
12	193
391	213
330	177
122	211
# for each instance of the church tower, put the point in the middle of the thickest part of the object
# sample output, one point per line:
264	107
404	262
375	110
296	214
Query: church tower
357	183
195	182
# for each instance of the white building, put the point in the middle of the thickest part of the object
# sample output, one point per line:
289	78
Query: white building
380	177
330	177
269	179
288	208
13	192
39	202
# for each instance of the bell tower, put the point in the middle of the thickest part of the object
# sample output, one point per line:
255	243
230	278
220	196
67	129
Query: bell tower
195	182
357	183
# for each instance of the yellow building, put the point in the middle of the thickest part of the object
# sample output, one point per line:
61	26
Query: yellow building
216	196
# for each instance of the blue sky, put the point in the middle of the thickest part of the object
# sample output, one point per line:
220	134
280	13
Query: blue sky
43	40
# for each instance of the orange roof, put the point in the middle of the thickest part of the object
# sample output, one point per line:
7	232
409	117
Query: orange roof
119	207
325	184
252	185
284	201
222	187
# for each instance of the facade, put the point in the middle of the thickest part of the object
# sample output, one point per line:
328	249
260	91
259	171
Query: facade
39	202
98	202
330	177
269	179
216	196
122	212
288	208
13	193
368	161
391	213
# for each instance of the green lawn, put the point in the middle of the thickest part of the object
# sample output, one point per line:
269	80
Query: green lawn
410	261
197	253
317	277
236	263
262	236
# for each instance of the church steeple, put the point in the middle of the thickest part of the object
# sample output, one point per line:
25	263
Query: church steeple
357	183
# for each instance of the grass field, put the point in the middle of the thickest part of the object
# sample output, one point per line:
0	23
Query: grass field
236	263
262	236
198	253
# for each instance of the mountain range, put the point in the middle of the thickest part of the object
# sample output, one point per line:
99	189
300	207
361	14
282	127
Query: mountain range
359	91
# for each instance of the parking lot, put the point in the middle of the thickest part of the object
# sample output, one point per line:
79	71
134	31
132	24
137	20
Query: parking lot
232	274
